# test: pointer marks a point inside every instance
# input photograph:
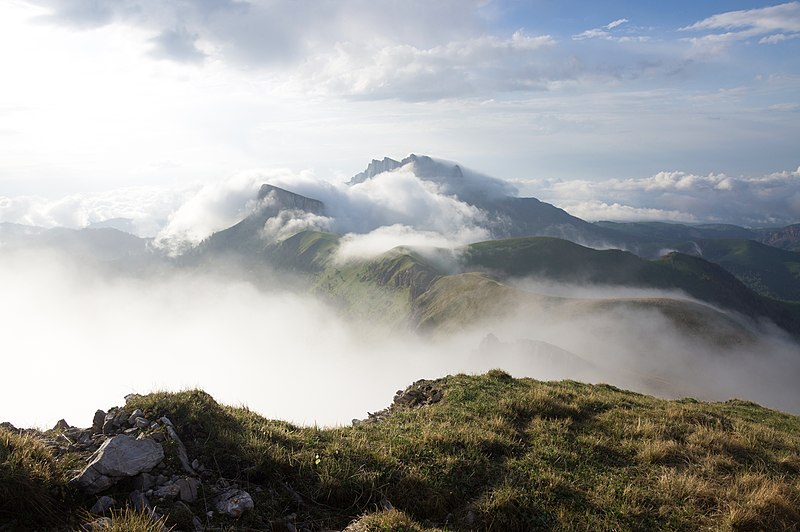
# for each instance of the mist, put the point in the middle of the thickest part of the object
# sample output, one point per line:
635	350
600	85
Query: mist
77	339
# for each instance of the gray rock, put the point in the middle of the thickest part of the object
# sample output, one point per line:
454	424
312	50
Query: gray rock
188	489
197	524
102	505
144	481
169	491
119	457
61	425
234	502
108	423
182	456
134	416
141	423
139	501
97	421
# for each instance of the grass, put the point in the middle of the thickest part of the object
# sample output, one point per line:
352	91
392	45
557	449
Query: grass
495	453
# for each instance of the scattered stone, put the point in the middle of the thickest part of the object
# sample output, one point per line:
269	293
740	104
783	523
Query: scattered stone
8	426
61	425
196	464
108	423
118	457
169	491
130	397
97	421
182	456
188	489
198	525
234	502
144	482
139	501
102	505
134	416
141	423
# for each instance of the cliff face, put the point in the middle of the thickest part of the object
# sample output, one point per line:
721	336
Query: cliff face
278	199
785	238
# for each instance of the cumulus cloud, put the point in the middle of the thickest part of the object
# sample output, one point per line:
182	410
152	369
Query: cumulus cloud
269	32
769	200
773	24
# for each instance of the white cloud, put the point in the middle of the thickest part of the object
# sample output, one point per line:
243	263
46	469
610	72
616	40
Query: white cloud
614	24
772	199
775	23
609	32
479	65
147	208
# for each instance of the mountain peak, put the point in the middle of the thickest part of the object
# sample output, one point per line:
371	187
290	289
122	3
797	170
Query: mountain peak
424	167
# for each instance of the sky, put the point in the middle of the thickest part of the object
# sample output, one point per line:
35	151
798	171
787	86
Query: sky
575	102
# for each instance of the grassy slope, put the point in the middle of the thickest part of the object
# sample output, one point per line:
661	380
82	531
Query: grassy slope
495	453
765	269
560	260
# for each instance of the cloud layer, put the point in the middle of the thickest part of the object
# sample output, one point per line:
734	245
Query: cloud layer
769	200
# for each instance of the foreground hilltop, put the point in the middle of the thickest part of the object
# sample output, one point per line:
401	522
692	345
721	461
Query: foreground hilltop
458	453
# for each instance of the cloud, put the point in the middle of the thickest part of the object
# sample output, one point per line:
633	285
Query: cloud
353	245
609	32
769	200
774	23
614	24
270	32
178	44
471	67
146	208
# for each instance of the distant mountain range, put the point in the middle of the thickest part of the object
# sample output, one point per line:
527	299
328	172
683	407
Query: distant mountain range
745	270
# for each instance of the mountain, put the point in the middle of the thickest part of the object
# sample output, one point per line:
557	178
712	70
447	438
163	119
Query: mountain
461	452
507	215
768	270
785	237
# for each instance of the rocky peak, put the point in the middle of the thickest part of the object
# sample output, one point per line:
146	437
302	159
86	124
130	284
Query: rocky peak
279	199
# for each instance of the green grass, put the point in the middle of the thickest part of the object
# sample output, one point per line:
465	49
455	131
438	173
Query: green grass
496	453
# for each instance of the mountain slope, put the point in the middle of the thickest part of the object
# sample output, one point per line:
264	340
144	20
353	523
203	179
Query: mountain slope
462	452
565	261
768	270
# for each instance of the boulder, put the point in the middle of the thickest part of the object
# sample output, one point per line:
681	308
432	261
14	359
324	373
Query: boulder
119	457
234	502
97	421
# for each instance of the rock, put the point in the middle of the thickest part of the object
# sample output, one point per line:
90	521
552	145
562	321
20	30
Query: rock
144	482
8	426
168	491
188	489
108	423
102	505
234	502
139	501
141	423
182	456
197	524
118	457
134	416
61	425
97	421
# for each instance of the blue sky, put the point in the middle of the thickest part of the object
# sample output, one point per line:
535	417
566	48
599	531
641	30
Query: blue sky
106	95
